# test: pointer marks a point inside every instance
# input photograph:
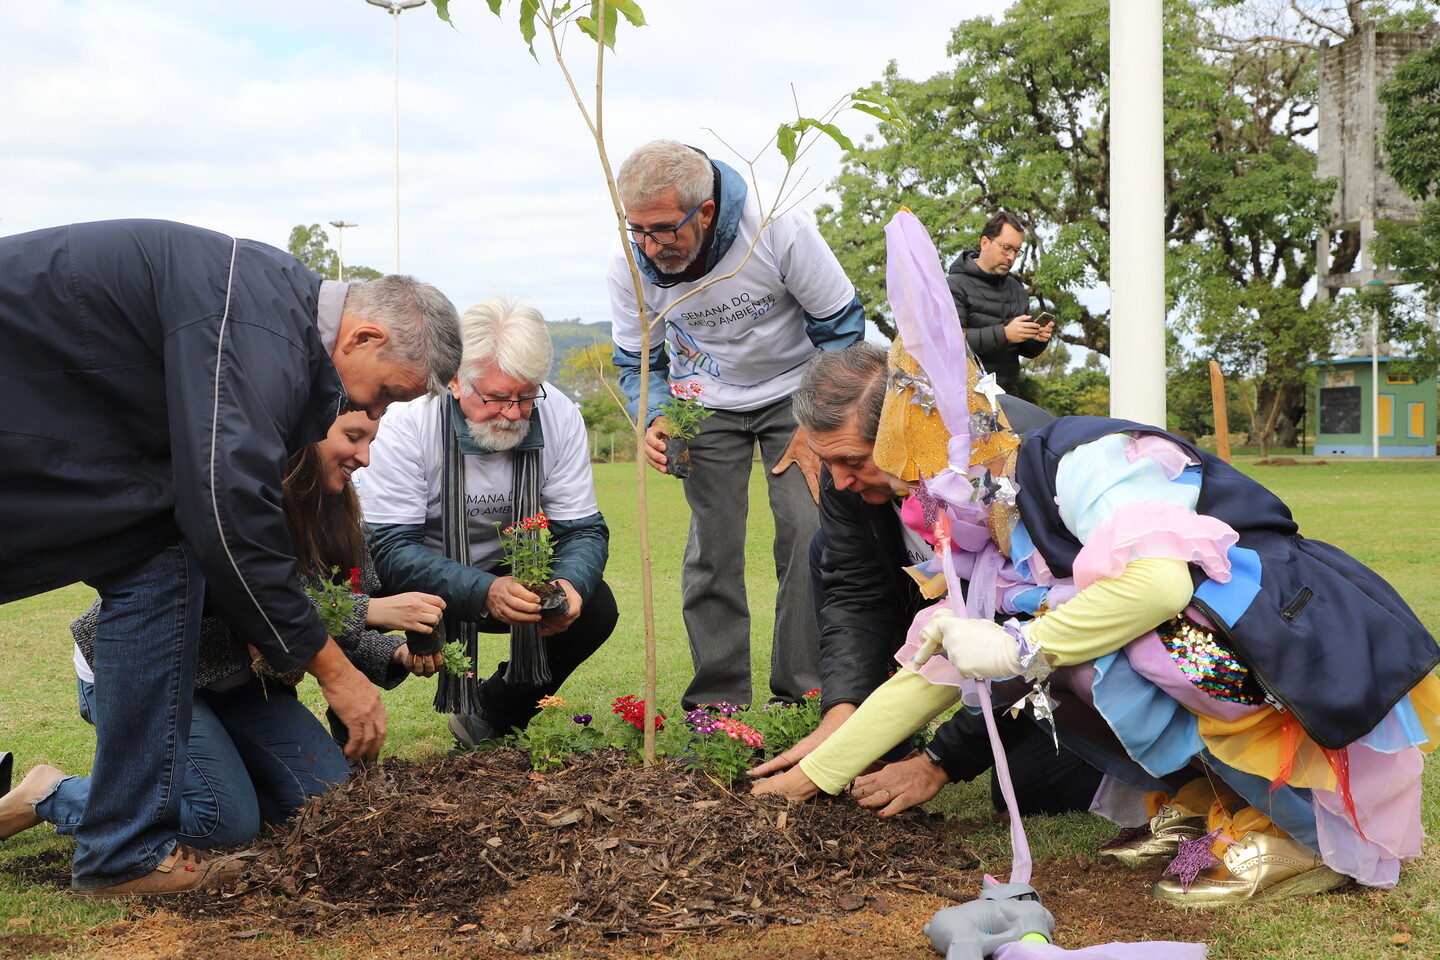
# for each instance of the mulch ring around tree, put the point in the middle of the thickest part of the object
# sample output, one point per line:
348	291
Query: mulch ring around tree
478	855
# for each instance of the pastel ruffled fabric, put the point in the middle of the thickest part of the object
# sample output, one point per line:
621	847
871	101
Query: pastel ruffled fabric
1112	496
1132	499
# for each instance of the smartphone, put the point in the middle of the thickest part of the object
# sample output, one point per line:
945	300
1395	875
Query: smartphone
1045	317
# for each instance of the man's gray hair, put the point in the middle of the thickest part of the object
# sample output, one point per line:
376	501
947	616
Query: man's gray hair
509	334
661	164
421	322
843	385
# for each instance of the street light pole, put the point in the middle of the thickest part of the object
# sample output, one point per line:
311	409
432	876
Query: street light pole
1373	286
341	226
395	8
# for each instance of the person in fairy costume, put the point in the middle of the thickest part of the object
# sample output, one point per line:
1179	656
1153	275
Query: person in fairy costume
1167	617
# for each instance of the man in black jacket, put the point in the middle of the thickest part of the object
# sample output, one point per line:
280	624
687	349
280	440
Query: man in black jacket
155	378
866	602
994	307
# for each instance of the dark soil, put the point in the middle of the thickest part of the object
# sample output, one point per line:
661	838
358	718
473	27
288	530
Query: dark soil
478	856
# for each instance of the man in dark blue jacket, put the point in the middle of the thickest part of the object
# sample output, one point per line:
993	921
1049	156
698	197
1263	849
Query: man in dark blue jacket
866	602
155	379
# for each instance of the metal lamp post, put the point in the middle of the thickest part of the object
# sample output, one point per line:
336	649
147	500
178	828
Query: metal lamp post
341	226
1374	286
395	8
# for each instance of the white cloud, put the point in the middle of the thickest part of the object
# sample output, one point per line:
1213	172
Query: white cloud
253	117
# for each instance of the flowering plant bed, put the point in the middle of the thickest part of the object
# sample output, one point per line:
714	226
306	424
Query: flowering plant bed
721	739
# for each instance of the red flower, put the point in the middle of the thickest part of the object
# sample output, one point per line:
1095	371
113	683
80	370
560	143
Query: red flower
355	581
813	693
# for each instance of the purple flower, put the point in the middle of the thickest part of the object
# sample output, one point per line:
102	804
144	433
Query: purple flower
700	721
583	719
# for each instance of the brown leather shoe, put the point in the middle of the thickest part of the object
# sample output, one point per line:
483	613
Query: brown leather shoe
1167	828
1256	867
184	870
17	808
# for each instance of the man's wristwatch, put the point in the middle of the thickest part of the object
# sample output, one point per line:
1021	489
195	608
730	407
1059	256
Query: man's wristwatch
938	761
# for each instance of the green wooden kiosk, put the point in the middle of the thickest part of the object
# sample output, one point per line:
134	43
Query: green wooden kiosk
1343	397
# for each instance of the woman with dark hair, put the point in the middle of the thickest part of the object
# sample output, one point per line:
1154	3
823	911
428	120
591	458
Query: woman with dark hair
256	753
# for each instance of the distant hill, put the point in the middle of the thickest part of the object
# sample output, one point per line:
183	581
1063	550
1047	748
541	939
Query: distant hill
569	335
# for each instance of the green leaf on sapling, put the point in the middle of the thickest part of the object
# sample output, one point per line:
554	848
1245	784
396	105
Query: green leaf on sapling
785	141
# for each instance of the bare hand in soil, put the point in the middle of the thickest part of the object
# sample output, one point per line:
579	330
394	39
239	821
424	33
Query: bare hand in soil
425	665
655	438
406	611
793	784
510	602
786	759
553	625
354	699
899	786
799	453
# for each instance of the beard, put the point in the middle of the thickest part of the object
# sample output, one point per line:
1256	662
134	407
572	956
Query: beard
676	262
671	261
499	434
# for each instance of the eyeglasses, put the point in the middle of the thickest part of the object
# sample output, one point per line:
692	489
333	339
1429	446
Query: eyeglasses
1008	250
667	236
504	406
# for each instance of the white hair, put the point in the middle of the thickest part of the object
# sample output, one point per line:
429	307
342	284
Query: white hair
510	335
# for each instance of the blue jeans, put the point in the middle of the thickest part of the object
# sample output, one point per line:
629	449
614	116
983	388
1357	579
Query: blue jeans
255	755
145	649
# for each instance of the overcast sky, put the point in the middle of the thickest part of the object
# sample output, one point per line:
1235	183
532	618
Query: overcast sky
251	116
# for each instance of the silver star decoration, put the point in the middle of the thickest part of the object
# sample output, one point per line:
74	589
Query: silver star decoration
982	423
924	393
924	398
1005	491
1042	705
986	488
990	389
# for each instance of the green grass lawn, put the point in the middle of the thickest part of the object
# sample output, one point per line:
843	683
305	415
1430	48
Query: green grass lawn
1386	514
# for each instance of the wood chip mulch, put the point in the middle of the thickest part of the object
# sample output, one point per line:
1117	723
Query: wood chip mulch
620	849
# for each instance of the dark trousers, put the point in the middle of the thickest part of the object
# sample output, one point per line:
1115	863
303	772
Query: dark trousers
507	705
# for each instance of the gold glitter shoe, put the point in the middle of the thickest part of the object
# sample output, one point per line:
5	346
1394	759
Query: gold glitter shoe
1167	828
1256	867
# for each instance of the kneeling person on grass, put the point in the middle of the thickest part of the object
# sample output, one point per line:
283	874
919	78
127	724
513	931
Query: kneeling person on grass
448	475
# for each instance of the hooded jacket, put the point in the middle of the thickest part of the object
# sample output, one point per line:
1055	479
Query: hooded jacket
986	302
745	339
154	379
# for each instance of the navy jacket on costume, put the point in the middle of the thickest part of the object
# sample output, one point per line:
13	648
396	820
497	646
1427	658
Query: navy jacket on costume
154	378
1327	637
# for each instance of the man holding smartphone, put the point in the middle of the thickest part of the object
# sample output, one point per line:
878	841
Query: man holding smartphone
994	307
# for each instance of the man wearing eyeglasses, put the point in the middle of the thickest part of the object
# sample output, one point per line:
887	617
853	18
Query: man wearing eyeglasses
745	305
994	307
438	534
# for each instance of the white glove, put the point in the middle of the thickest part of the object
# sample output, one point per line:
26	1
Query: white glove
977	649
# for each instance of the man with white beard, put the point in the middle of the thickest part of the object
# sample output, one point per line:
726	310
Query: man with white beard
501	421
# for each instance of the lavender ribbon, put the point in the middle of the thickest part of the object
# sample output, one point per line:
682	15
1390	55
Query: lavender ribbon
924	312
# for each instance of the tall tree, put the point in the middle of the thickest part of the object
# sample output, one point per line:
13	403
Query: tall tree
311	246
